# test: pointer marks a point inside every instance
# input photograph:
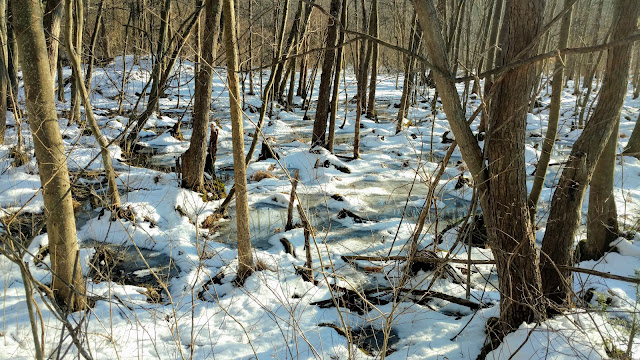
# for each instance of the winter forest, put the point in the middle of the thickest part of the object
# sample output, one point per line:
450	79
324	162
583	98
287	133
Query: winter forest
319	179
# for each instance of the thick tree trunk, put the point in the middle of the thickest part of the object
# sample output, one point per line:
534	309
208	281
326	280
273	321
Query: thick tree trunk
554	115
565	214
245	256
511	236
193	160
74	58
602	219
324	92
67	285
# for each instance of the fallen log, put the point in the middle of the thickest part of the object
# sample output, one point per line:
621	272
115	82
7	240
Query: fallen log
350	258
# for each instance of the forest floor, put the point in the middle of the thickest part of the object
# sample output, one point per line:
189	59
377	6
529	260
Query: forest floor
180	301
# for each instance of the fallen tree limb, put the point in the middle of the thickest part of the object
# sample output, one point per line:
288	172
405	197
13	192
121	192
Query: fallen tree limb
351	258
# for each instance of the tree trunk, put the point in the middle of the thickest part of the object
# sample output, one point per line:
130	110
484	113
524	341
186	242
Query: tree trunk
52	22
67	285
106	43
602	219
76	99
414	44
268	89
193	160
12	62
4	74
554	115
156	87
336	81
491	56
633	146
60	79
245	256
511	236
565	214
297	30
374	31
323	104
636	74
92	44
250	59
588	80
74	58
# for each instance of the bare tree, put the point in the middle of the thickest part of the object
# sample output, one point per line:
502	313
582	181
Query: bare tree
336	80
52	23
74	58
374	31
324	92
4	73
503	198
193	160
67	284
245	256
554	115
565	214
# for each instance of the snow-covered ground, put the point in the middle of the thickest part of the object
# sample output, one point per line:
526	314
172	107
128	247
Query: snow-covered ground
204	315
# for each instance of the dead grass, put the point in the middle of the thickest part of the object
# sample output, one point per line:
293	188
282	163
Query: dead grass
261	175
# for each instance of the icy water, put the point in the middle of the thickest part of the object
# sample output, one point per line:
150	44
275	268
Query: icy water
382	202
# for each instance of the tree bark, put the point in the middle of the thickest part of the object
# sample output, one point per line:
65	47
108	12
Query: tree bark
76	98
336	81
565	214
194	159
245	256
374	31
512	239
323	104
602	218
68	286
511	236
